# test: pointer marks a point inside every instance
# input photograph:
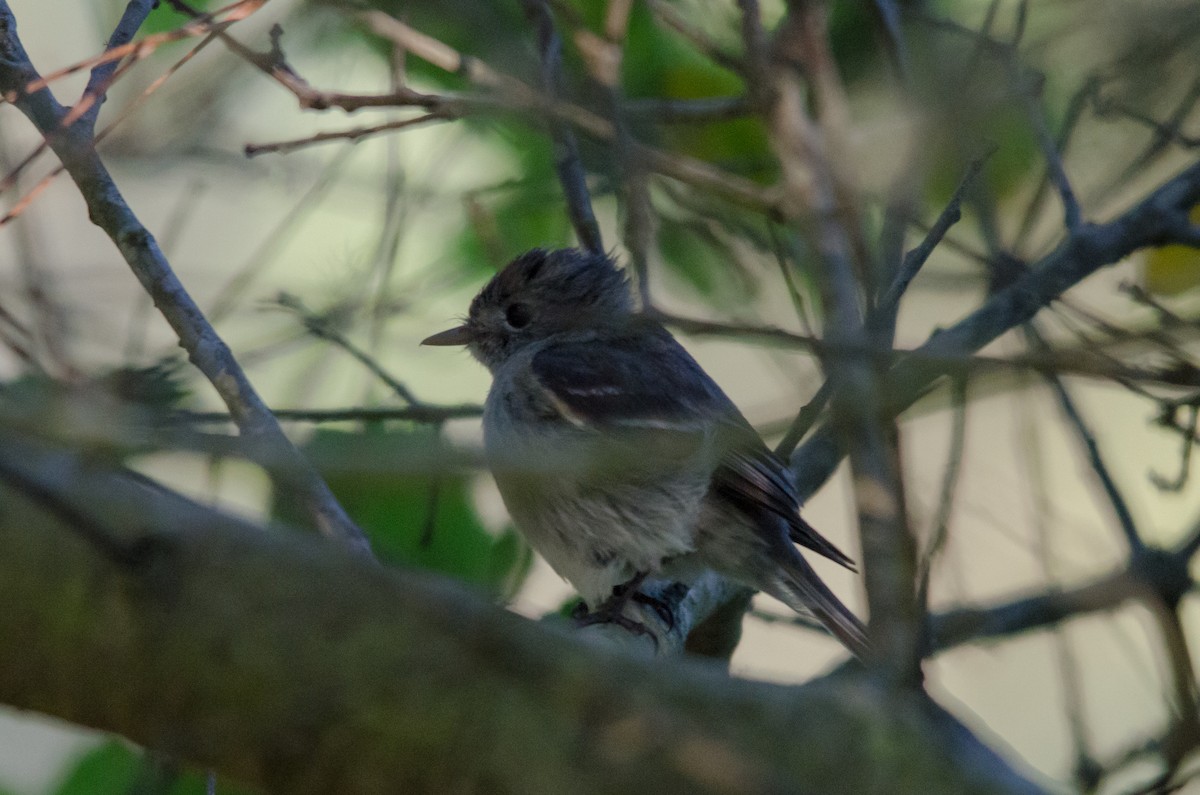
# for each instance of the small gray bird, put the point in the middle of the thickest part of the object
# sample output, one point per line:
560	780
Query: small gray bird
618	457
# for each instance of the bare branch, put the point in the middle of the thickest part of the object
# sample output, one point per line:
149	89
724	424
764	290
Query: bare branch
75	148
685	169
321	327
1115	498
353	135
571	173
971	625
941	523
423	412
883	320
102	75
816	176
1085	253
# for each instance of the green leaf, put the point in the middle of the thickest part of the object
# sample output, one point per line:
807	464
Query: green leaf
111	767
164	18
1171	270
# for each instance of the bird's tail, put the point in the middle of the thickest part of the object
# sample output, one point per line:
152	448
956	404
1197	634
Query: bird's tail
797	585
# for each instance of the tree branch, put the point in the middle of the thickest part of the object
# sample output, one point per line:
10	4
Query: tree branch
1089	250
567	162
73	143
282	662
816	178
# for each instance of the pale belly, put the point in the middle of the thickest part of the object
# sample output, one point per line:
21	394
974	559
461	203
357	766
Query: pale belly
597	525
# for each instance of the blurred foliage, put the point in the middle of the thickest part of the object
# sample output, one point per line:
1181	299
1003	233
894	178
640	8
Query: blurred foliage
415	511
856	41
494	32
160	385
1172	270
964	92
115	767
111	768
164	17
519	215
111	414
659	64
973	108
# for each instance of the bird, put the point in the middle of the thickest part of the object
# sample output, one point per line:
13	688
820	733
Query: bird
618	457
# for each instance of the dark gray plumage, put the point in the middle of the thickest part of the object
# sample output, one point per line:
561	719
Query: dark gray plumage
615	452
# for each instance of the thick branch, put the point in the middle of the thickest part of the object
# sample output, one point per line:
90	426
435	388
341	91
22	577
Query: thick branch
817	179
285	663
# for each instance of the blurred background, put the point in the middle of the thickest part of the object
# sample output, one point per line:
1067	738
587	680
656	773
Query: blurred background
313	260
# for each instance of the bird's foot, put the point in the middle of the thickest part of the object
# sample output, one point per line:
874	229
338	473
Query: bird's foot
659	606
602	615
612	610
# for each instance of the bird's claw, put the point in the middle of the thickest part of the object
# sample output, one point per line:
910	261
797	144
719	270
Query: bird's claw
659	606
604	616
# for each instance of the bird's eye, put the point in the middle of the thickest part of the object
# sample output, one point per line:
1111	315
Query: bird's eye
518	315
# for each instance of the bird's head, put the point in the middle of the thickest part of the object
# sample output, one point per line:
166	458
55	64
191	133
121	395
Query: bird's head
537	295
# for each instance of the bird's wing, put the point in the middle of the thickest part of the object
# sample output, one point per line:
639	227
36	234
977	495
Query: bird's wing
647	383
755	479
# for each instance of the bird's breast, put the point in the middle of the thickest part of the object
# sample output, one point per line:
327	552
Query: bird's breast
585	501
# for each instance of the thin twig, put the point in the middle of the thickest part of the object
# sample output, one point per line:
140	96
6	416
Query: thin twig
353	135
603	57
1177	483
202	25
1183	735
321	327
805	419
1075	108
567	162
1165	133
816	175
681	167
1086	359
675	19
688	111
882	321
25	201
975	624
425	413
950	477
1072	213
1115	498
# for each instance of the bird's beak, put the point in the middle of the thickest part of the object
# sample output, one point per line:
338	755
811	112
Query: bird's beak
459	335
